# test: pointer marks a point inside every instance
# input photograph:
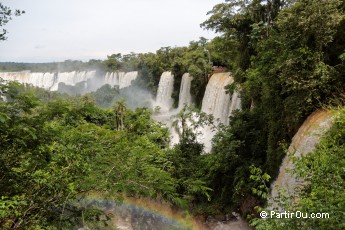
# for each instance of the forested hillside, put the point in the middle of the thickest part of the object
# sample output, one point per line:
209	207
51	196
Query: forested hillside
287	58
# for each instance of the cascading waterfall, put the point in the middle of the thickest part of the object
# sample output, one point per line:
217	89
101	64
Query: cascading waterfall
235	103
215	101
218	103
185	97
111	78
43	80
125	79
164	92
304	141
165	102
69	78
51	81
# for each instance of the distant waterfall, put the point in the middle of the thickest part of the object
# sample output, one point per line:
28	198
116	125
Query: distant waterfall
73	78
185	97
165	90
111	78
43	80
90	79
125	79
304	141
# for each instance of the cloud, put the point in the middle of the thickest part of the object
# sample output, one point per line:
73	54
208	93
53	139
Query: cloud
75	29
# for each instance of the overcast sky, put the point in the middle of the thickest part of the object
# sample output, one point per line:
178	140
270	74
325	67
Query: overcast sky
57	30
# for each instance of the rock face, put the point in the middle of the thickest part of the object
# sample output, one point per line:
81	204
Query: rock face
305	140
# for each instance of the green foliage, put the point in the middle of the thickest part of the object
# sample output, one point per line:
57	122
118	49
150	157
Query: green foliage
289	77
187	124
6	15
287	62
106	95
186	156
324	187
193	59
260	180
54	152
65	66
113	63
239	21
287	58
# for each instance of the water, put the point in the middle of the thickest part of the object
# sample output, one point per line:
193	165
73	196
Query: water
111	78
51	81
218	103
164	92
43	80
304	141
125	79
215	101
185	98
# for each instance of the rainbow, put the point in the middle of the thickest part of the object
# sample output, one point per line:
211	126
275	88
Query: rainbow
127	212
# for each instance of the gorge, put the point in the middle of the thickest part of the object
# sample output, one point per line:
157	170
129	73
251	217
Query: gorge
216	101
207	136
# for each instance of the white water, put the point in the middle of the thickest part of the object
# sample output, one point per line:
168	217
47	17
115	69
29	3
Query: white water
304	141
165	102
185	98
72	78
218	103
111	78
43	80
215	101
235	103
164	92
51	81
125	79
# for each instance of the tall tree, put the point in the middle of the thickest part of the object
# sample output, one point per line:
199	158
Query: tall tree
6	15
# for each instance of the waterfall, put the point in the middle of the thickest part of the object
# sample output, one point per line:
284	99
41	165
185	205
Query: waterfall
51	81
235	104
216	101
304	141
185	97
73	78
125	79
43	80
111	79
164	92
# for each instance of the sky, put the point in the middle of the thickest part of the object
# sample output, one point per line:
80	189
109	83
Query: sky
58	30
